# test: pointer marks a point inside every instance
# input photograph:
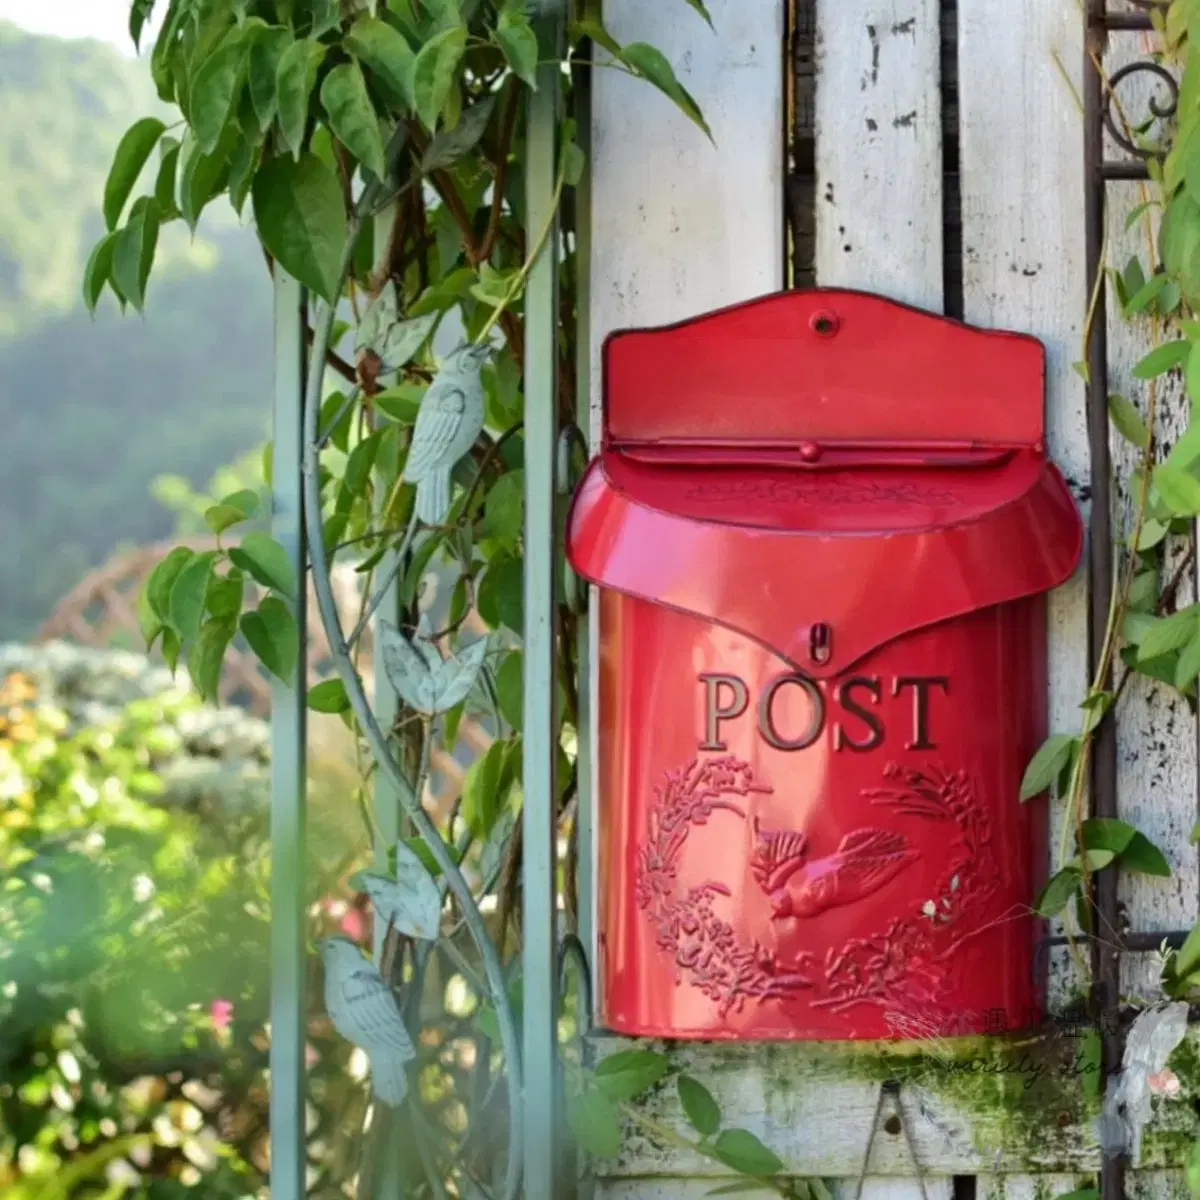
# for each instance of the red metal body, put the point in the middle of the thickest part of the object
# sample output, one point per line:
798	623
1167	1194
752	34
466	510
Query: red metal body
823	525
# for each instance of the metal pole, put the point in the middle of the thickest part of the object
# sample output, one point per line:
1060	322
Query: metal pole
288	767
585	733
390	823
1106	962
539	905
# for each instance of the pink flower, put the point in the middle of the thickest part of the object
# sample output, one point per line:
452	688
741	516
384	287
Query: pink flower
1165	1083
353	925
220	1012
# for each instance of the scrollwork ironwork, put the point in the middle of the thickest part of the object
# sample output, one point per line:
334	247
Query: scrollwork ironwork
1119	128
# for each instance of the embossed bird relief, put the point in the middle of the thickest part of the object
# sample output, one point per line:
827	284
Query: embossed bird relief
800	886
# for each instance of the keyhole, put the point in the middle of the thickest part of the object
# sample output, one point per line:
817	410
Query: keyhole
820	642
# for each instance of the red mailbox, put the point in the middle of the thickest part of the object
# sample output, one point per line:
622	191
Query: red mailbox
823	525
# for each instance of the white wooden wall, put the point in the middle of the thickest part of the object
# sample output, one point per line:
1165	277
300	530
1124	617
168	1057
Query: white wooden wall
681	226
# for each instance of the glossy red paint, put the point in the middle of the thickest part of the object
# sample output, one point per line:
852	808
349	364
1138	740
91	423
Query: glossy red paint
823	525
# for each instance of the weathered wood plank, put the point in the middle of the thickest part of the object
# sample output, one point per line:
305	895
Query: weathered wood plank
879	149
874	1188
1023	259
975	1106
680	225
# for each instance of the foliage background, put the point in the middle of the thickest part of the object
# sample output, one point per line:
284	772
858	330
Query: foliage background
94	411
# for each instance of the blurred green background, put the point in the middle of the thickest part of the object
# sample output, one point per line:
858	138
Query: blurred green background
94	410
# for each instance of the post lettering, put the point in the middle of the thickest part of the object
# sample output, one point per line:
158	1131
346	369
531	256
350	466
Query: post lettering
766	724
872	687
921	685
714	713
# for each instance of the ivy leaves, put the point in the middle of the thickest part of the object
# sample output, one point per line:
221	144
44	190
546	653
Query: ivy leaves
193	601
301	220
600	1105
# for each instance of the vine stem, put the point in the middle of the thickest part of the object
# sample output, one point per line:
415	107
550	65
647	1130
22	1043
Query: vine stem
397	566
515	288
376	739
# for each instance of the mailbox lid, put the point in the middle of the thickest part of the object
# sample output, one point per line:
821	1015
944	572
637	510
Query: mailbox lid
824	458
869	554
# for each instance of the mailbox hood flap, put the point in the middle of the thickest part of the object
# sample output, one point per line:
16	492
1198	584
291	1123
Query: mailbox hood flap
870	553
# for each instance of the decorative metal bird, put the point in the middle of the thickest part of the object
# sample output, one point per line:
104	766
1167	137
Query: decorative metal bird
448	423
798	886
364	1011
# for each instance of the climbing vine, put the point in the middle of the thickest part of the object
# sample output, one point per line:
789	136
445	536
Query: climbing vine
1150	631
379	149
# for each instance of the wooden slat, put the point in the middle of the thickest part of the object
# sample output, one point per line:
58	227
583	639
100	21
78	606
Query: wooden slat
1013	1107
681	225
879	149
1023	258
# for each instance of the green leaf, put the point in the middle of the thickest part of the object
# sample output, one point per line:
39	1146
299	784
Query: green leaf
699	1107
1187	668
401	403
1097	860
1128	421
223	600
265	560
574	164
207	656
215	88
741	1150
301	219
164	183
433	73
298	66
1106	833
1178	489
329	697
629	1073
148	620
504	512
510	689
1144	856
596	1124
171	648
1046	765
188	595
98	270
1057	894
593	28
133	151
448	146
133	252
1145	295
203	176
520	45
485	787
1162	359
272	634
352	116
266	53
501	599
219	517
653	66
234	508
1187	959
1192	374
388	56
698	5
1165	634
162	580
139	14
